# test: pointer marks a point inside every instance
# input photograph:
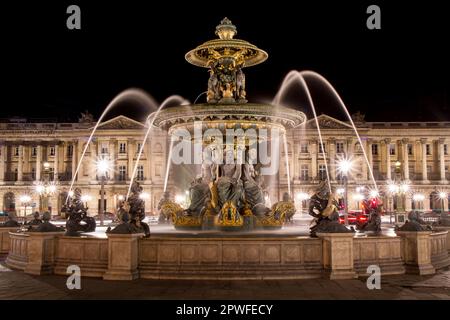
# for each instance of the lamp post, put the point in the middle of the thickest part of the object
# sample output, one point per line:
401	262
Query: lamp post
25	200
344	167
103	167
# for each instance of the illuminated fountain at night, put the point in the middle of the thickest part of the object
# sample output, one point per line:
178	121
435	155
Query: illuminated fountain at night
224	156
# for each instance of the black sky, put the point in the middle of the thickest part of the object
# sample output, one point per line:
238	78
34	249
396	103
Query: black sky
398	73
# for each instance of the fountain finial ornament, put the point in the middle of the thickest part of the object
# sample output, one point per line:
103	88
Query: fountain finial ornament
225	58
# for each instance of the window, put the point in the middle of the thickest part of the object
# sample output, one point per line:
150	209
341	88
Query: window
339	147
33	173
322	172
392	149
16	174
34	151
140	172
304	148
446	149
16	151
410	149
104	149
52	151
138	147
69	150
428	149
122	173
304	172
322	148
375	149
429	169
122	147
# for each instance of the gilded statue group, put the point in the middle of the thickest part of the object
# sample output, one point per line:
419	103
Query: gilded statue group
226	82
230	195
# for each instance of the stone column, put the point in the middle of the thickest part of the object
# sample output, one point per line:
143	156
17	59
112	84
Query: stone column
408	202
442	161
332	156
74	157
3	159
20	164
38	162
123	256
131	153
424	160
337	250
388	159
148	173
56	162
313	151
405	158
417	252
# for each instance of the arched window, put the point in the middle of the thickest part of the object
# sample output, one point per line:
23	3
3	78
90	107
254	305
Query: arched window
9	202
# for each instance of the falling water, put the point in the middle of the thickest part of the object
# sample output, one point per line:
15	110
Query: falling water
169	161
204	92
173	98
299	76
286	156
129	94
276	102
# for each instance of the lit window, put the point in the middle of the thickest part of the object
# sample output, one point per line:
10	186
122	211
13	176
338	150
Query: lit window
140	172
122	173
392	149
304	148
122	147
322	172
428	149
339	147
375	149
304	172
33	151
410	149
52	151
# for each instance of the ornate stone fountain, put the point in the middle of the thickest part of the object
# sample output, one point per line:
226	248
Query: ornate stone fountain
228	195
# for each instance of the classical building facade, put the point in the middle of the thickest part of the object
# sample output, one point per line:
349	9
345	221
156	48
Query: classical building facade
412	153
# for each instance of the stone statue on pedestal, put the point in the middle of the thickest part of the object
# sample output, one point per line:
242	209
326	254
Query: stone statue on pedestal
78	220
45	225
374	208
414	223
323	207
11	222
132	213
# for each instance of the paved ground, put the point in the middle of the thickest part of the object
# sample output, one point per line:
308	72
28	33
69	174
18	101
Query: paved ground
17	285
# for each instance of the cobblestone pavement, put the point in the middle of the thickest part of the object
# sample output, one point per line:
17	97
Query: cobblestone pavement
18	285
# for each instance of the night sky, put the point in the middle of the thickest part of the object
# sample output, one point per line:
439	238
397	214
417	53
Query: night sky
398	73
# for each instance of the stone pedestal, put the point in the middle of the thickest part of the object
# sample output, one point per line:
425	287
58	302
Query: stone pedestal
41	252
417	251
445	228
122	256
4	239
338	255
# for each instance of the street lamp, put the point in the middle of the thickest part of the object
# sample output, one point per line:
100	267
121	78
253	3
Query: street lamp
103	166
344	167
25	201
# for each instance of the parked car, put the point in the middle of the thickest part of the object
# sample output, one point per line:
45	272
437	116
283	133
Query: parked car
354	218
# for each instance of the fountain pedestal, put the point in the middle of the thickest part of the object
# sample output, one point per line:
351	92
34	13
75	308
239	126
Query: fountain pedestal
417	251
41	252
122	256
338	255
